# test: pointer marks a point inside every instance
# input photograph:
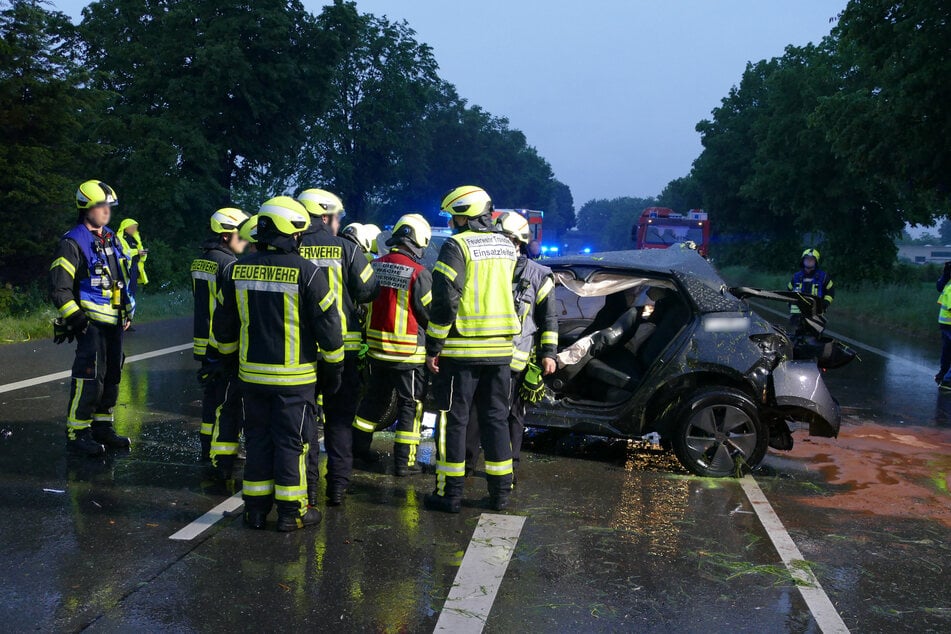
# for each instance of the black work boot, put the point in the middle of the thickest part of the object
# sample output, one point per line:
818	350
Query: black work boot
403	470
104	433
498	502
435	502
81	442
255	519
335	494
287	522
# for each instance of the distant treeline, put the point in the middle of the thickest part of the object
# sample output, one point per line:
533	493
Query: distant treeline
837	145
187	106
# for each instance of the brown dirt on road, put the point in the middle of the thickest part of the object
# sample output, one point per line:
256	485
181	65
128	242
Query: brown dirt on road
899	472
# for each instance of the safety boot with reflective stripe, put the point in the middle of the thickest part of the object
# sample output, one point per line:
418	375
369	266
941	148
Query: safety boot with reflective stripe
80	442
287	522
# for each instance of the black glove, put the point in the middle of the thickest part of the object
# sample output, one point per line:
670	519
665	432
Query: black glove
77	322
62	332
216	369
331	378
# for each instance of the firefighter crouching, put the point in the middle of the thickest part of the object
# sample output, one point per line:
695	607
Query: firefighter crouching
469	347
89	287
351	278
276	309
396	341
535	347
207	273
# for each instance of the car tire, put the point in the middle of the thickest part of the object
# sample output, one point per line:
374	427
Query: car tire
717	433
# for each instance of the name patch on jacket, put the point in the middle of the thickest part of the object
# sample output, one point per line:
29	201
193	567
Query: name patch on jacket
323	252
489	247
204	266
260	273
393	275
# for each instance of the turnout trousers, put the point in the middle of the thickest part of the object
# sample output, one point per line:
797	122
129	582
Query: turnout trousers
94	386
407	381
229	419
339	411
278	427
456	389
516	425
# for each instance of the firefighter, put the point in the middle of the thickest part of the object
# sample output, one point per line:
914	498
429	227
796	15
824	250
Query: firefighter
812	281
276	309
351	278
943	377
89	287
469	347
249	233
207	273
396	340
534	348
131	241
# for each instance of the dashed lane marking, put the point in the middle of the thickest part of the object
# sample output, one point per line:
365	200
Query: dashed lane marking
59	376
480	575
209	519
827	617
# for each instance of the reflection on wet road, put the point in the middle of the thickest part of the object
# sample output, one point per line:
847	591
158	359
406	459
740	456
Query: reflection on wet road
617	536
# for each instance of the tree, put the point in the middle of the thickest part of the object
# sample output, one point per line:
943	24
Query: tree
560	212
44	112
612	220
889	119
205	96
681	194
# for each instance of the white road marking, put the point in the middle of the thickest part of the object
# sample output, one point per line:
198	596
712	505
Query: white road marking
858	344
209	519
480	575
59	376
827	617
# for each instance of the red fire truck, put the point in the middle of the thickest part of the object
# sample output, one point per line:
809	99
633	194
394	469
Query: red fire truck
660	228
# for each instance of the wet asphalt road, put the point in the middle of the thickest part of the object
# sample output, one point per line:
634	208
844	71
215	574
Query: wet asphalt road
618	537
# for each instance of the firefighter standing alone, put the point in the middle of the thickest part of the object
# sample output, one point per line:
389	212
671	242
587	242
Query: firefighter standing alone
395	336
812	281
351	279
469	347
276	309
88	286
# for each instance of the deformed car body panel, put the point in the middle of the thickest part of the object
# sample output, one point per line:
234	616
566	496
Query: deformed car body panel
801	393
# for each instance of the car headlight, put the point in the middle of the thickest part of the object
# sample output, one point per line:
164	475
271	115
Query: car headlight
774	347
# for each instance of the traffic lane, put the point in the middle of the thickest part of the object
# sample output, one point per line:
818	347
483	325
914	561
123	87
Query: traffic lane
21	361
79	534
607	546
872	510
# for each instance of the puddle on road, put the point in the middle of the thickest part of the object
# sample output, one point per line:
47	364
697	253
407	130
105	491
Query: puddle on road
898	472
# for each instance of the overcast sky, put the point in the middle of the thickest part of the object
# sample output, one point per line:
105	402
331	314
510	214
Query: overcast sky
609	91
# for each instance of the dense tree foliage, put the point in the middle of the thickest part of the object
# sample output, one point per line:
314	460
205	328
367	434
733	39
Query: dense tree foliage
835	145
613	220
45	106
185	106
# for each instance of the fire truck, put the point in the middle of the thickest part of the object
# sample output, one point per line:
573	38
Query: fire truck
660	228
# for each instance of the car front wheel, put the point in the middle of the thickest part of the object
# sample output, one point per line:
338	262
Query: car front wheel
717	433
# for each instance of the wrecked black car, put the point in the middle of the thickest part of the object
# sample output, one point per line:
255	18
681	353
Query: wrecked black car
654	342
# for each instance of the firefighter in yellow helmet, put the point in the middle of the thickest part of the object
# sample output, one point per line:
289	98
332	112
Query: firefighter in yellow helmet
535	347
276	321
472	324
812	281
207	273
249	233
131	241
89	287
351	278
396	341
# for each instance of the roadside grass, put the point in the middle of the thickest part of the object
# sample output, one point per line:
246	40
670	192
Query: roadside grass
909	308
35	323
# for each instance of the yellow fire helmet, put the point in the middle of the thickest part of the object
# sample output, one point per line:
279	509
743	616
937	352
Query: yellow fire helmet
814	253
515	226
249	230
283	215
320	202
412	227
227	220
93	193
468	200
